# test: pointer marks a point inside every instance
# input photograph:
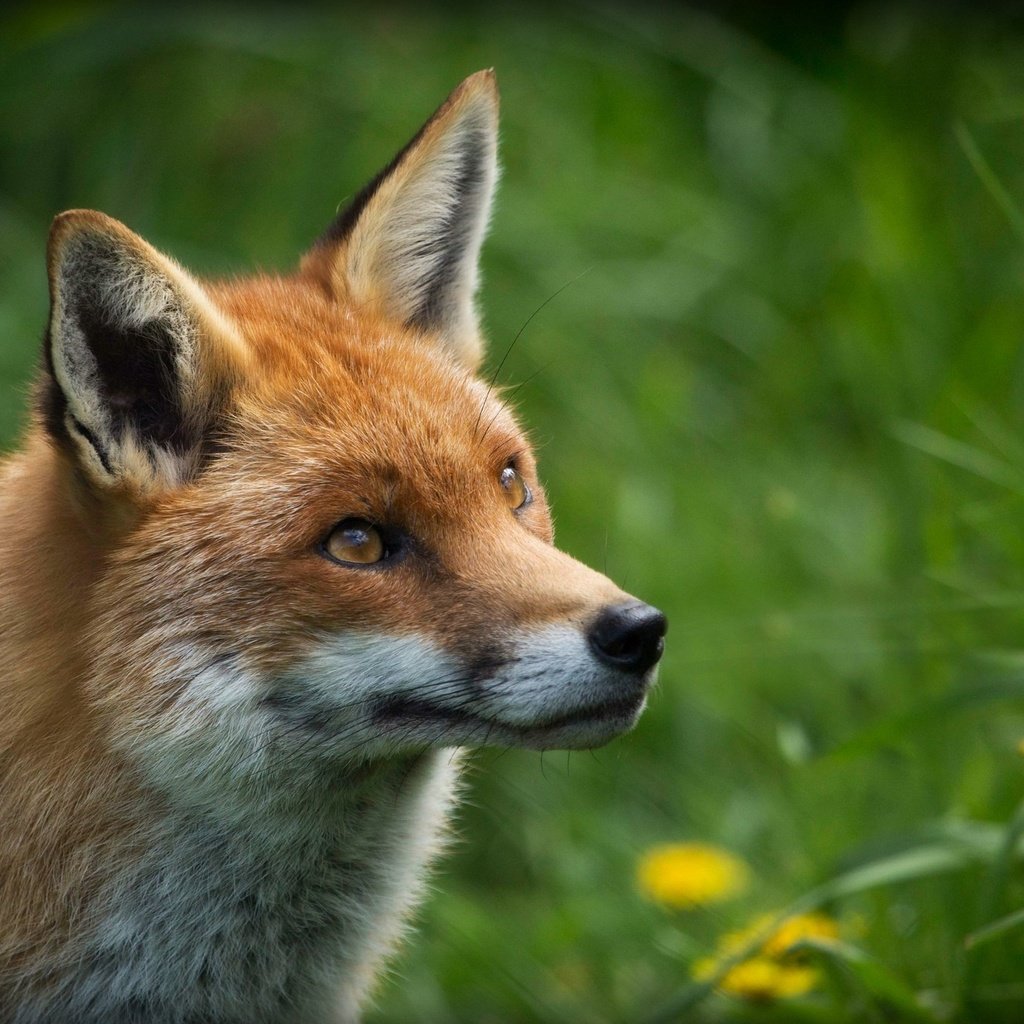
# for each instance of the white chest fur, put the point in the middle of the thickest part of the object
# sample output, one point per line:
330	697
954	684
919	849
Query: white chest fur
281	922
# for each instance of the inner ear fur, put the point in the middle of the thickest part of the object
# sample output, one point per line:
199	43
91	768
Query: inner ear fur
408	246
138	360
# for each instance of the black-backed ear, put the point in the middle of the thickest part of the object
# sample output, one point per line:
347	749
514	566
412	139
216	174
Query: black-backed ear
409	244
138	360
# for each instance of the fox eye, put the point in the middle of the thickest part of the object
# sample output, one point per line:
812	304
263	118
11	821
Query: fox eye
355	542
517	493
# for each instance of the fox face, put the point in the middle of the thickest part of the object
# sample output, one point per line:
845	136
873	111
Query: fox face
322	538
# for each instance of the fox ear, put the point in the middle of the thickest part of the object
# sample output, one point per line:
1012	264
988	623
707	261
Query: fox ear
138	359
409	243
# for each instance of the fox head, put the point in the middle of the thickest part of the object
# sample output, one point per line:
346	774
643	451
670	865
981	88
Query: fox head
321	538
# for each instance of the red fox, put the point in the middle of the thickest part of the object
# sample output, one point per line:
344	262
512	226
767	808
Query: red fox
271	555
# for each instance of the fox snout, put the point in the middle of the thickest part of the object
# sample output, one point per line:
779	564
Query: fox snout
574	680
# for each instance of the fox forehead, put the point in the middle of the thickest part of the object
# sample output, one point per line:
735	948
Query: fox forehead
372	404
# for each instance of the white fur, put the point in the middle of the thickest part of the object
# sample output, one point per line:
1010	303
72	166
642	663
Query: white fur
282	921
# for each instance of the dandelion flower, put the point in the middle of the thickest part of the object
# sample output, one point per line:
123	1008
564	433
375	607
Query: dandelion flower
761	979
773	970
799	928
690	874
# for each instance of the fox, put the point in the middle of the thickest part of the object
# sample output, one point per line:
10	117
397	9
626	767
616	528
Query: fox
273	557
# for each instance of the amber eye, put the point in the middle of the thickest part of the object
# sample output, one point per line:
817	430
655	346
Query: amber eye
517	494
355	541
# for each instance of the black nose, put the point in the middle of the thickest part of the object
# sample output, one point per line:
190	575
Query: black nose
629	636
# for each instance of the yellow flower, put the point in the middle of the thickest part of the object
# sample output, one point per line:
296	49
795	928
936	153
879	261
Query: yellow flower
798	928
773	970
690	874
760	979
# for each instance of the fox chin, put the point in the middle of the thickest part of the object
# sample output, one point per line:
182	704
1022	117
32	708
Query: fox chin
271	555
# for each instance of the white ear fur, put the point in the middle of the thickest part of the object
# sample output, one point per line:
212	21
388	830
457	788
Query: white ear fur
136	352
408	246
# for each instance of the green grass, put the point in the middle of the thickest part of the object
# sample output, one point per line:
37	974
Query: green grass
784	402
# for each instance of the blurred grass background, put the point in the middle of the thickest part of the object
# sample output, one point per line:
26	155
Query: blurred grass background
783	401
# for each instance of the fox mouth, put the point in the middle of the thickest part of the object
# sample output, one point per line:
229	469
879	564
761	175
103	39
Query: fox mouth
409	709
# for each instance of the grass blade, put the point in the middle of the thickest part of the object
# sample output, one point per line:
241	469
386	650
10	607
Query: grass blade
958	453
988	178
995	929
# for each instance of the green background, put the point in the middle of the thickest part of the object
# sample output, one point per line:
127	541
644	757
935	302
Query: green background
781	398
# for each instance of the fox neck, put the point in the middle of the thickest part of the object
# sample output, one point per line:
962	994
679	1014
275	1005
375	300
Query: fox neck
285	920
